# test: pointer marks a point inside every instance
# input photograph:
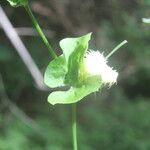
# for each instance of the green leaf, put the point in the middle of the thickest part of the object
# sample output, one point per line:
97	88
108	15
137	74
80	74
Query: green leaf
75	94
74	50
69	45
55	72
17	3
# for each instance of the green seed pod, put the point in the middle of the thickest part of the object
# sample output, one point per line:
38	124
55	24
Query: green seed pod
17	3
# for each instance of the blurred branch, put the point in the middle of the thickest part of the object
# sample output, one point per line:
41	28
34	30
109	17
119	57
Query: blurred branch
27	31
21	49
16	111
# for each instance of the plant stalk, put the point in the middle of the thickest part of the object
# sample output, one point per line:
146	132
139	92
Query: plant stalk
74	126
116	48
39	30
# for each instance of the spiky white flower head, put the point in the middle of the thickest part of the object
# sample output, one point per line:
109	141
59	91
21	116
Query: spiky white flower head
96	64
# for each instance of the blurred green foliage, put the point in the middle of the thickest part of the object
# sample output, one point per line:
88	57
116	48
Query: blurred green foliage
125	126
118	118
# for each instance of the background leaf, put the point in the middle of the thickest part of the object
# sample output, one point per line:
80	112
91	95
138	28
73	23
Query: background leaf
5	53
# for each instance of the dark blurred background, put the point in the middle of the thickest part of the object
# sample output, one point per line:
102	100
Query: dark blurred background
114	119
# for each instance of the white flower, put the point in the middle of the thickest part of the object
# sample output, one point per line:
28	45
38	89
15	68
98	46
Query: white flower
96	64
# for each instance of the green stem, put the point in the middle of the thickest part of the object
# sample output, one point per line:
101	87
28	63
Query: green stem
39	30
116	48
74	126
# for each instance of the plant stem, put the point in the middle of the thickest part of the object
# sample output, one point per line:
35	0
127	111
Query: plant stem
39	30
116	48
74	126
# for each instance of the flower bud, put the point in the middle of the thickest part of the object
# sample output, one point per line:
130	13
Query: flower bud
96	64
